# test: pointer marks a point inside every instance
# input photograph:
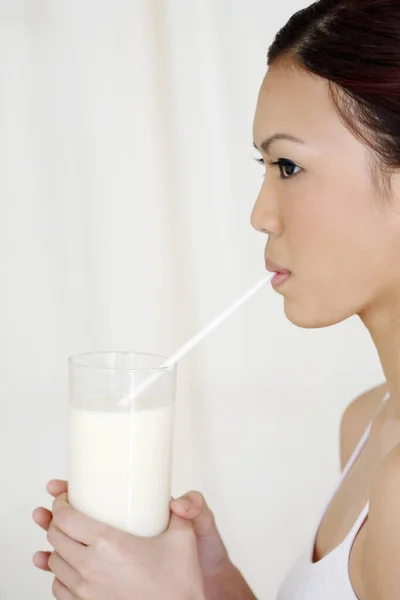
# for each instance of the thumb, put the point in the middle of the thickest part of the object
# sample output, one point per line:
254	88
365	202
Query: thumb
193	507
212	553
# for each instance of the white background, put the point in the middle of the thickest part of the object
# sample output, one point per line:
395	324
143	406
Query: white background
126	187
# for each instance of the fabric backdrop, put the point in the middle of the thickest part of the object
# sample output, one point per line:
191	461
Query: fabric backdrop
126	187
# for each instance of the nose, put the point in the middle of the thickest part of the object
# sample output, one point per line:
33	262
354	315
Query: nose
265	216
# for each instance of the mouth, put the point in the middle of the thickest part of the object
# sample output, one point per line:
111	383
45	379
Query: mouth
281	274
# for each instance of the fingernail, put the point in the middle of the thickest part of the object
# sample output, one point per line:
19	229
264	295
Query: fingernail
185	502
35	558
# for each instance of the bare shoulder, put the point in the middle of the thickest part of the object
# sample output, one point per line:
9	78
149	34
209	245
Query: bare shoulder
355	419
382	550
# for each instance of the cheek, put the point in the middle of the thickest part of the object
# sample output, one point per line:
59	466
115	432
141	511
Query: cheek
331	241
322	227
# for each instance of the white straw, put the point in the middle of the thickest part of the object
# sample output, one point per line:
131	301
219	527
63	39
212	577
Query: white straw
172	360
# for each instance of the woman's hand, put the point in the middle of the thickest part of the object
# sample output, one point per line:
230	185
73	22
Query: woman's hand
212	554
215	565
92	561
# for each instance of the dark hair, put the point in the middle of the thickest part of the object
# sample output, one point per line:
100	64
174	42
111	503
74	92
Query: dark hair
355	45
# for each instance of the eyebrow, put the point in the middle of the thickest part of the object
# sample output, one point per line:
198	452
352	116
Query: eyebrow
277	136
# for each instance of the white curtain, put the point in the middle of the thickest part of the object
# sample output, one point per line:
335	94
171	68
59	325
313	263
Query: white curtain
126	186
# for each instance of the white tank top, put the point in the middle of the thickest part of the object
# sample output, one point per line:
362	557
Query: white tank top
329	578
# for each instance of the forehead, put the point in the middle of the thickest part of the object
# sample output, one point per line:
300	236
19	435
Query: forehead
298	103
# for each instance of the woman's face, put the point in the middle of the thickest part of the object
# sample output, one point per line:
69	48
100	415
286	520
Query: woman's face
327	224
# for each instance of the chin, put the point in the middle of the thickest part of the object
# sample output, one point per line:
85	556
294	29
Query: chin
310	317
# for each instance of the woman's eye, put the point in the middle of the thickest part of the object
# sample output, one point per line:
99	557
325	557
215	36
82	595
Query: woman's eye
287	168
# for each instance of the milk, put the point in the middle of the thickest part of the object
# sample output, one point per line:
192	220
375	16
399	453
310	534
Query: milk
120	463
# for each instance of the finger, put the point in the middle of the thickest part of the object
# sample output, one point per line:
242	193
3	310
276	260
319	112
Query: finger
66	574
42	517
55	487
192	506
73	552
177	523
41	560
61	592
184	507
76	525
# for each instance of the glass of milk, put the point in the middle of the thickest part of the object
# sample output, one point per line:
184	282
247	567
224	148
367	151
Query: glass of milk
120	463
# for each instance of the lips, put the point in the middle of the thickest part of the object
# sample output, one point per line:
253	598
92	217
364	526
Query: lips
275	268
281	274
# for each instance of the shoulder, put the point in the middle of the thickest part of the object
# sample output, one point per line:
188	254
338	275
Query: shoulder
382	550
356	418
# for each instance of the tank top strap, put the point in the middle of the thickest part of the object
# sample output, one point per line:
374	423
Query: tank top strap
349	541
356	453
361	443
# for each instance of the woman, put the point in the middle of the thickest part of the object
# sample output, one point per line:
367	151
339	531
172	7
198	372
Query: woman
327	127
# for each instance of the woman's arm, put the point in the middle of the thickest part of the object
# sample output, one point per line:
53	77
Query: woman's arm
381	573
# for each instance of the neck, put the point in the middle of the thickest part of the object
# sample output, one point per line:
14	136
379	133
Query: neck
384	327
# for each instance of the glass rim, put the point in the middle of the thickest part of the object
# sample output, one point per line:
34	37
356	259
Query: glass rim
73	361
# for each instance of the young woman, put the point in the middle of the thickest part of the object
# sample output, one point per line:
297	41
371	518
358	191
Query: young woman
327	127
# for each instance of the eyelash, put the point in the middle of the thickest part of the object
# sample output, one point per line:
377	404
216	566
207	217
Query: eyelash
281	162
